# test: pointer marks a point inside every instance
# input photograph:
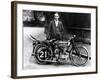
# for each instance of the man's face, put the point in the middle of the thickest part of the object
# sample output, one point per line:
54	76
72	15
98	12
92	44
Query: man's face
56	17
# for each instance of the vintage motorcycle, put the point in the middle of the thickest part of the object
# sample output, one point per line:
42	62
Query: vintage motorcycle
55	51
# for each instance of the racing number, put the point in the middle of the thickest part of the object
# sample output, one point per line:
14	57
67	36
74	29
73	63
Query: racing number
43	54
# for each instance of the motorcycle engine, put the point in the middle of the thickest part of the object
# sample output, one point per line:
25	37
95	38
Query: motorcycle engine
65	54
63	50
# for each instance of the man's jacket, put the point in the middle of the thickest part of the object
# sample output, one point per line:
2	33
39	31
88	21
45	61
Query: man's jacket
55	31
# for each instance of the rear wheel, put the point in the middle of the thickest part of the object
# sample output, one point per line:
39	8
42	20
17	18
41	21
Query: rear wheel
79	56
42	53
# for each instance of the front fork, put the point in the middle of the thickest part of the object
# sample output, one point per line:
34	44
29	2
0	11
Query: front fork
74	51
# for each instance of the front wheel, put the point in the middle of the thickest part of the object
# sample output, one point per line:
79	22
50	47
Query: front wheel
79	56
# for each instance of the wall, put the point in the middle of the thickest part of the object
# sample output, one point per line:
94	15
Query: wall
5	41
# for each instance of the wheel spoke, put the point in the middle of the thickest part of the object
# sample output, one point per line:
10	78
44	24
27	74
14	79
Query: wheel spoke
79	57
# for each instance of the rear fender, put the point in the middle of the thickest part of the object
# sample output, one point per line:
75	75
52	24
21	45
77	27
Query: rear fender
34	45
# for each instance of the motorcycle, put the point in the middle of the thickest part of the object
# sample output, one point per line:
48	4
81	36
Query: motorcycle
56	51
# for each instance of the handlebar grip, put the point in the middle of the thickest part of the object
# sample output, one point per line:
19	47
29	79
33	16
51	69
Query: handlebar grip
74	35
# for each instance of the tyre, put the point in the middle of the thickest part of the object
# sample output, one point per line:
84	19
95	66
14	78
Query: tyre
42	53
79	56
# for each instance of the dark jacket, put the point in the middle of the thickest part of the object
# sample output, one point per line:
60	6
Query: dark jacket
53	32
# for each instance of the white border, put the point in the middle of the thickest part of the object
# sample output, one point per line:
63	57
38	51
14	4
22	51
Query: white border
23	72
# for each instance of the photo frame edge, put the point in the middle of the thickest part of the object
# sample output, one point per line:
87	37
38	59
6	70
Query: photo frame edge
14	38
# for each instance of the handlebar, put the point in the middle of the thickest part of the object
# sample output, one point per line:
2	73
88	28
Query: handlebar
72	38
68	40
